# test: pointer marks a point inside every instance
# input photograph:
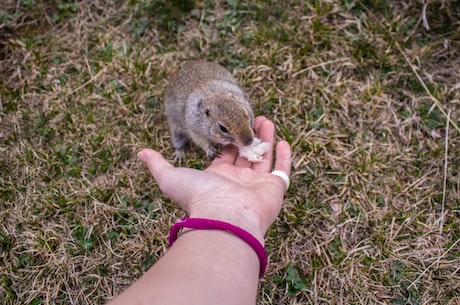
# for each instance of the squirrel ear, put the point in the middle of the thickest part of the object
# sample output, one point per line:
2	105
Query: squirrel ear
200	103
200	106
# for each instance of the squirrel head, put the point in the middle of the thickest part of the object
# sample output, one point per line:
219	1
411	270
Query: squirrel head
230	119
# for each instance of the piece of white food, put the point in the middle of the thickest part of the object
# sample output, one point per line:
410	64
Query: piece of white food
254	151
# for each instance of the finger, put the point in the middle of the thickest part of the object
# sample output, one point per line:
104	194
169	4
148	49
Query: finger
164	173
258	122
155	162
283	157
283	163
263	128
169	178
230	152
266	132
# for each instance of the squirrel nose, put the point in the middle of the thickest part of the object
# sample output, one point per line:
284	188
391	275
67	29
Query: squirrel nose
247	140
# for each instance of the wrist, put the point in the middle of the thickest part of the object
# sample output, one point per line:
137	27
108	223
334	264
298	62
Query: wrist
202	224
244	219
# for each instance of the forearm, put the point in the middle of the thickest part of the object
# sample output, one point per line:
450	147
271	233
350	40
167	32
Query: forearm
202	267
214	266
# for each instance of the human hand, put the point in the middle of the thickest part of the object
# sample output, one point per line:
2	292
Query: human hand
231	189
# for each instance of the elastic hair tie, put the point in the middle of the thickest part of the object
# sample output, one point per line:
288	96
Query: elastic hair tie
210	224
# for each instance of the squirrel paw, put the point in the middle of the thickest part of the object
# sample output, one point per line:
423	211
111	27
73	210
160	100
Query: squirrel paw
212	152
179	156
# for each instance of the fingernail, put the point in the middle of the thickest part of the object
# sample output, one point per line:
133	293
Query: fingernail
142	156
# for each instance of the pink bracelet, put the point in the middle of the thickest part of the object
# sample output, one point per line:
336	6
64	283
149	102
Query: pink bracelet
210	224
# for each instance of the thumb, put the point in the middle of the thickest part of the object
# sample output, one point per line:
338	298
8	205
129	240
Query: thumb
157	164
173	182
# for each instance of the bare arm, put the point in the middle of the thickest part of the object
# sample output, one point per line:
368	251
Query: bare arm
214	267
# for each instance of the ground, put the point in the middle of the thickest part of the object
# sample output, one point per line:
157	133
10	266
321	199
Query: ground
366	92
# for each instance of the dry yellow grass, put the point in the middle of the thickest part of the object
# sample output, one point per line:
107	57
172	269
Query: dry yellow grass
366	92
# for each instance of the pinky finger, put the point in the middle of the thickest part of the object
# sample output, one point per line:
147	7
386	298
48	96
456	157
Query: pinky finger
283	157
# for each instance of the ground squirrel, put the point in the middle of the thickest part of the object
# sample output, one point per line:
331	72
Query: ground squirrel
203	103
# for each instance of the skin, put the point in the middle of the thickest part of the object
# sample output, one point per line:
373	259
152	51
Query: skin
211	266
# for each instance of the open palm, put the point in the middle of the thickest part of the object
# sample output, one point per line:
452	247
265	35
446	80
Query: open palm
231	189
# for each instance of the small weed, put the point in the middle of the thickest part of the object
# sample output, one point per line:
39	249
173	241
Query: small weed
166	15
431	117
84	235
106	53
43	127
66	10
335	247
293	281
5	242
148	261
138	27
35	301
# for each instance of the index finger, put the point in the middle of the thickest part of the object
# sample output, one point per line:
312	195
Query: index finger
266	131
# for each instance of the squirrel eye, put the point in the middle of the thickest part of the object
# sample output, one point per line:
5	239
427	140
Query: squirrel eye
222	128
206	112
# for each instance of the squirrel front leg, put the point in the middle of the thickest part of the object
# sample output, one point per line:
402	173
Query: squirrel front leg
211	149
179	140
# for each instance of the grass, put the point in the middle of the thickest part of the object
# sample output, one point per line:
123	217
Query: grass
363	90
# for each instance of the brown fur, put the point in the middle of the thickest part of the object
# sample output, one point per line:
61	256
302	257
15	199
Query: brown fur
203	103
